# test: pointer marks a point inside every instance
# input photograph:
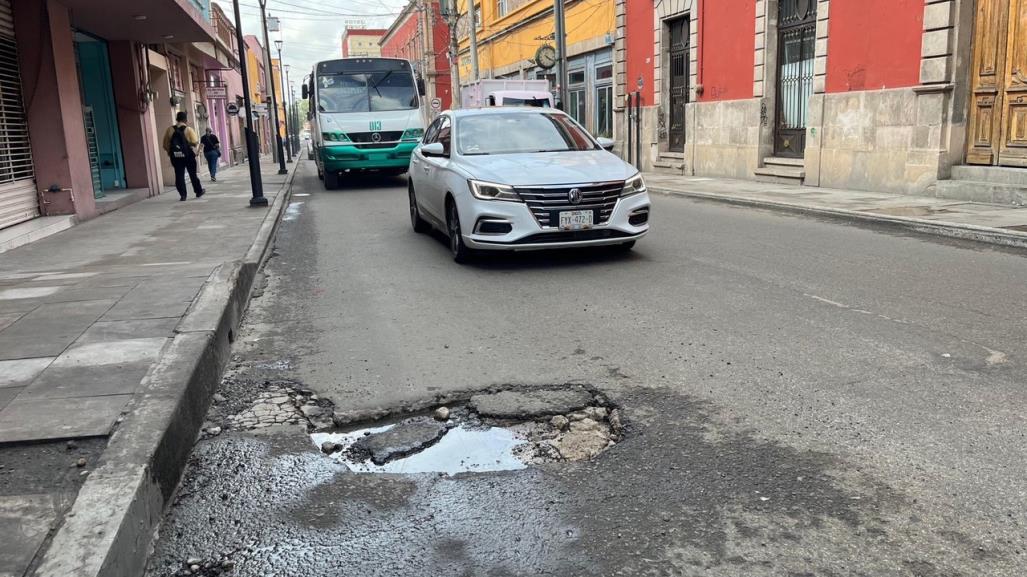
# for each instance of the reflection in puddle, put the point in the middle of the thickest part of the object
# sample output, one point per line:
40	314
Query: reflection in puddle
462	449
292	212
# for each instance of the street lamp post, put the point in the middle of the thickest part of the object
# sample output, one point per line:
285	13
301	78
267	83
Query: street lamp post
271	83
252	153
285	99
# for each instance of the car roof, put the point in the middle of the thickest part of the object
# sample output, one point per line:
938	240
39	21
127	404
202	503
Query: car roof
462	112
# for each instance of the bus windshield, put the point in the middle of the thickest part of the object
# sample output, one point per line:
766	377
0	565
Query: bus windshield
366	91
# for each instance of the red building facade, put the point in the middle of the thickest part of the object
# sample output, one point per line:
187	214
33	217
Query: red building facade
908	96
419	34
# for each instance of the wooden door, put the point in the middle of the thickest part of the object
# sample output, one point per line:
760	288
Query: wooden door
998	110
678	83
1013	143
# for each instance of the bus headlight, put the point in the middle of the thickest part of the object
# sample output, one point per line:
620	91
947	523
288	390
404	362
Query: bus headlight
413	134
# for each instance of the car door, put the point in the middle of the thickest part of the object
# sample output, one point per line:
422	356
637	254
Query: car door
420	169
436	169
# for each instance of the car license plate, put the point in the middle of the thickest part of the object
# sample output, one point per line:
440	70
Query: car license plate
575	219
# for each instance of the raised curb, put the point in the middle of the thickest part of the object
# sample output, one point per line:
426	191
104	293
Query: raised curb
108	530
972	232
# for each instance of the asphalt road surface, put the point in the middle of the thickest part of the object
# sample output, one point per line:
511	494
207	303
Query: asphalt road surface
802	397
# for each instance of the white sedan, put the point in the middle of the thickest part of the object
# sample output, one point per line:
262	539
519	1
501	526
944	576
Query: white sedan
523	179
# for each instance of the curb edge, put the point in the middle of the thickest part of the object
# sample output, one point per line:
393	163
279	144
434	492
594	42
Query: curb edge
108	530
983	234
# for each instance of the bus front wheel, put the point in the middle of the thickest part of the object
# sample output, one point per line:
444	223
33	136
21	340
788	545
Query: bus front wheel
331	180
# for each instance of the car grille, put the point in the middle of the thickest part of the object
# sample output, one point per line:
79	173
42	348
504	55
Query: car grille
546	203
391	136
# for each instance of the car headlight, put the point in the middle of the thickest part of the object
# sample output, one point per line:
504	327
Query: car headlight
633	185
413	134
493	191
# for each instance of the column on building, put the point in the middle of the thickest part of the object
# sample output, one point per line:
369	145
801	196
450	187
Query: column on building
53	103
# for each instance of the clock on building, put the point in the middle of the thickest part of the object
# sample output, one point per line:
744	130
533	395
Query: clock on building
545	57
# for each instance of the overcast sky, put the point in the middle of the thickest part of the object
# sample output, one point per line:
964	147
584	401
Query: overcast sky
312	30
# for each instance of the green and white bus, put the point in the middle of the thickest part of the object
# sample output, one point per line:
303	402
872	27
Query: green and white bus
365	115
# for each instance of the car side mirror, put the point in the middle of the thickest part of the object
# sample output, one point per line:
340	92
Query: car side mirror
606	143
433	149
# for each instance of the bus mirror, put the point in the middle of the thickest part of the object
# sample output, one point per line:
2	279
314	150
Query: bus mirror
306	91
420	86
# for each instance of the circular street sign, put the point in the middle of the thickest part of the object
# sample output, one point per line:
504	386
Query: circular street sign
232	109
436	104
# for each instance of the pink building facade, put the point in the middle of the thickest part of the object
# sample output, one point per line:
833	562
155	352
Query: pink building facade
98	82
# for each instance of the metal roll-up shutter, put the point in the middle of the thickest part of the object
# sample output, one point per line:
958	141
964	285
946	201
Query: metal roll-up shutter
18	199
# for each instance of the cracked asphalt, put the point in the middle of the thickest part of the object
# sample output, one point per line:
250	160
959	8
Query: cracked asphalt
801	397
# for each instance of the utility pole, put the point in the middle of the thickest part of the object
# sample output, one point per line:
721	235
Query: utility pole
454	59
285	100
290	112
561	51
270	83
473	16
252	152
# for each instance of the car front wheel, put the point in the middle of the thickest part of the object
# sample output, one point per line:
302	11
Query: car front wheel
461	253
420	225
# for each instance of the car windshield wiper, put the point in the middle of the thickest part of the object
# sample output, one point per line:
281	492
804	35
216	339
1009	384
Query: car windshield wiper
477	153
554	150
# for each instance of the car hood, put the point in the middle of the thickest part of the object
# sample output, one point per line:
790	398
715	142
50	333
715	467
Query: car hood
548	168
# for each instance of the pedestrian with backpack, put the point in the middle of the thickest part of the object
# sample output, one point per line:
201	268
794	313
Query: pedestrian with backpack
180	142
212	152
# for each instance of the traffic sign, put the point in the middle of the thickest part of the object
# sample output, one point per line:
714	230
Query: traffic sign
232	109
436	104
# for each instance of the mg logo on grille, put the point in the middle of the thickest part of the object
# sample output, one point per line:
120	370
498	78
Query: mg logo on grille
574	196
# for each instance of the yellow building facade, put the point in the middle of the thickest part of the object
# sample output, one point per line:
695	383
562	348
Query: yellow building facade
510	33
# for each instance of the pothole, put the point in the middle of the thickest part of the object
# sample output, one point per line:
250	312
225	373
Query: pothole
495	431
284	405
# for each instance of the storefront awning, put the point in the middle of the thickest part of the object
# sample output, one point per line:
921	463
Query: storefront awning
147	21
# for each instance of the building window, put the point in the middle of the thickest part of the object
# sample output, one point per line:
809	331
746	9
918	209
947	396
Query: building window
577	105
502	7
604	111
175	72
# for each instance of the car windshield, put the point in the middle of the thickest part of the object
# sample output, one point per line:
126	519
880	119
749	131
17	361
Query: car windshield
520	132
536	102
366	92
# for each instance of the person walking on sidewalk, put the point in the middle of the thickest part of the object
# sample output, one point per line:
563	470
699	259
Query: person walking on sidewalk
180	142
212	152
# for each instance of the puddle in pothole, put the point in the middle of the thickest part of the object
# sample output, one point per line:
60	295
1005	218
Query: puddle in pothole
461	449
493	431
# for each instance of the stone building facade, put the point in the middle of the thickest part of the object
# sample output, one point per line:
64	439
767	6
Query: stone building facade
905	96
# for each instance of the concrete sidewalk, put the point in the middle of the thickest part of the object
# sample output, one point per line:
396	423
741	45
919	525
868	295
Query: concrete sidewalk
996	224
86	318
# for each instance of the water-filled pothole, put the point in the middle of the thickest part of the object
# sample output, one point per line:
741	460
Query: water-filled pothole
462	448
496	431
